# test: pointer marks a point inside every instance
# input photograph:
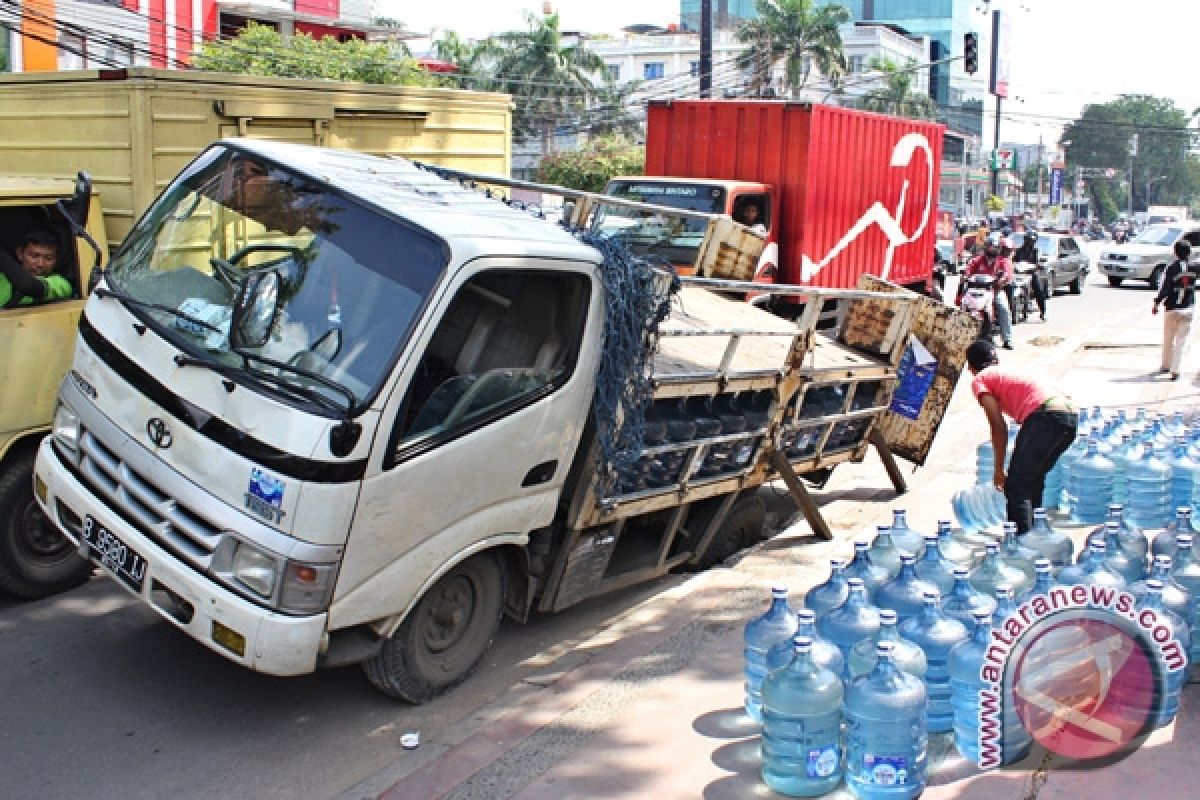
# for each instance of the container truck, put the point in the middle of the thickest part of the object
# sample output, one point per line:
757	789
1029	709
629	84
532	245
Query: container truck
840	193
132	130
327	409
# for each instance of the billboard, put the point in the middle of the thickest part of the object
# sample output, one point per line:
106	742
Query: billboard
1001	63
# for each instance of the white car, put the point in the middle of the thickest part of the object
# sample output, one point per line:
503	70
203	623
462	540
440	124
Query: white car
1145	257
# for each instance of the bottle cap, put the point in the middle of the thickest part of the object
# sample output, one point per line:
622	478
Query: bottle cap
885	651
806	615
931	596
803	644
887	616
982	616
908	558
961	572
1154	585
1043	565
855	583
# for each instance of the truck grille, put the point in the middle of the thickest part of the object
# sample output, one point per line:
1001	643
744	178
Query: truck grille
145	506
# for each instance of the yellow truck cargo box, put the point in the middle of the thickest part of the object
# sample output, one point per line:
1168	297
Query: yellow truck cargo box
134	129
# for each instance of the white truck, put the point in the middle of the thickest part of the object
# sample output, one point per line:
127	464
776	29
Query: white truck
327	408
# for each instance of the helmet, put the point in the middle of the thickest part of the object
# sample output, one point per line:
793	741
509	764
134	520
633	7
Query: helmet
991	245
1031	236
1182	250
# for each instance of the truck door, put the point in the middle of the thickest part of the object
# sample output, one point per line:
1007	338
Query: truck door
481	439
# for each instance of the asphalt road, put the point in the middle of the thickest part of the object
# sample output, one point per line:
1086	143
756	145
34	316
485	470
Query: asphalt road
104	699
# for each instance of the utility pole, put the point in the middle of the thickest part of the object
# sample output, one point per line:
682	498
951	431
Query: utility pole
706	45
1038	200
1133	145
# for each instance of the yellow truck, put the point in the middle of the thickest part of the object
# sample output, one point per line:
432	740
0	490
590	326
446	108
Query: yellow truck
132	131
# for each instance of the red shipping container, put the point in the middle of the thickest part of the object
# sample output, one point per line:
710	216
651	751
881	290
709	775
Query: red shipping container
856	192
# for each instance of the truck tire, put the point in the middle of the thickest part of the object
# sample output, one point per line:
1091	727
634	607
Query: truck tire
1114	281
36	560
742	527
444	638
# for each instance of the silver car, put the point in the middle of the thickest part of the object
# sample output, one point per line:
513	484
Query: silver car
1062	262
1146	256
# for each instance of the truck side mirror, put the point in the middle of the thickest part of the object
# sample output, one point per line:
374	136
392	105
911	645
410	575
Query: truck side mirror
255	309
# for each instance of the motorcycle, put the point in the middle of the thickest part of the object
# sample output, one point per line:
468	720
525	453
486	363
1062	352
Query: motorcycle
979	298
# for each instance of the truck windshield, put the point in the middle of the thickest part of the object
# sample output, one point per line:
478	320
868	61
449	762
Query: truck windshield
352	279
645	233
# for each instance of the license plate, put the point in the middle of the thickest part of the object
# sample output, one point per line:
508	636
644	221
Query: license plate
107	550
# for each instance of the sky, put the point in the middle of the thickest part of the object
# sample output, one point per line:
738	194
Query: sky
1066	53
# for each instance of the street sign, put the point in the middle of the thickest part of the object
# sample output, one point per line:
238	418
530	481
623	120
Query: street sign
1079	186
1004	159
1110	173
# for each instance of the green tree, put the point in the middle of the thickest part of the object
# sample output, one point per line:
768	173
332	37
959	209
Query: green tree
551	82
1101	138
261	50
591	167
896	96
475	61
798	32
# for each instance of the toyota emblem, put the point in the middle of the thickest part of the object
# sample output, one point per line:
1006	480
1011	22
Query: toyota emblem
159	433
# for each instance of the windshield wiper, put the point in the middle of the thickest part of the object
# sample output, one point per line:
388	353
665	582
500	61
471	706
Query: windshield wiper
252	375
129	299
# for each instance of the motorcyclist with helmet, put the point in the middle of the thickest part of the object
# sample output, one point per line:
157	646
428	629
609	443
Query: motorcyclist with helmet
1027	254
991	262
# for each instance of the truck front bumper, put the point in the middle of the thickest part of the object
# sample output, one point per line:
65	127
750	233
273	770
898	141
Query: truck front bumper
255	637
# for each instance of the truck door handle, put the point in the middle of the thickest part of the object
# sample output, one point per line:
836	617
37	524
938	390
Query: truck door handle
542	473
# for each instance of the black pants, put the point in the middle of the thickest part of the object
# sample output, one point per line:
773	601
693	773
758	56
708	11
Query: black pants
1038	288
1043	437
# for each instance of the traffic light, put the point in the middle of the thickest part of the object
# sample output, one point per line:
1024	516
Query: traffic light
970	52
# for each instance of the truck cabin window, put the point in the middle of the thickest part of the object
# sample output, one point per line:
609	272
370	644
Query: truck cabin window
38	245
351	280
507	339
646	233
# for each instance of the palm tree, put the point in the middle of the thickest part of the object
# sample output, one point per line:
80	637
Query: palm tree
798	32
896	96
550	82
475	61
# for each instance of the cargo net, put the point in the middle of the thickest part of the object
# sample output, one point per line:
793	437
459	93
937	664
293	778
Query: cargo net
636	306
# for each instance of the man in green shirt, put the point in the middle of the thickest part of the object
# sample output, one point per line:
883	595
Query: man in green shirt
29	278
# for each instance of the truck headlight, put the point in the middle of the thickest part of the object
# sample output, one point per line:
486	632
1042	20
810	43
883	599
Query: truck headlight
254	569
306	587
66	427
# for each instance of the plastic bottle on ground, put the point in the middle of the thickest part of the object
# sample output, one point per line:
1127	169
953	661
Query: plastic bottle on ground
965	600
1149	501
1049	543
1063	502
824	652
1019	556
1174	596
802	716
1133	540
1115	557
1042	584
1006	604
1164	542
1089	485
953	549
760	634
1186	572
978	507
886	732
830	594
993	571
933	567
905	538
852	621
1185	474
1152	599
909	656
862	567
1123	452
966	660
904	593
884	551
1091	568
936	634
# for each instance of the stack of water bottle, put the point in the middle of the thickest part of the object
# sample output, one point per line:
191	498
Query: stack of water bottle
889	648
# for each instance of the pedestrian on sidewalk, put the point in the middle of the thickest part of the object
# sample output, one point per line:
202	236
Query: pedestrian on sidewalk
1178	293
1047	420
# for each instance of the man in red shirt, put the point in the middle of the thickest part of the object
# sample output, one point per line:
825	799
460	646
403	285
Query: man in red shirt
1048	422
991	262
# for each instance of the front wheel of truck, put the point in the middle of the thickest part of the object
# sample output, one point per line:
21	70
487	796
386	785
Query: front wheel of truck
444	637
36	560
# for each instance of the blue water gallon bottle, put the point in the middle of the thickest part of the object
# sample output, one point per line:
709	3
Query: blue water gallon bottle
953	549
862	567
1012	742
965	600
979	507
1018	555
1164	542
1089	485
1006	604
802	720
905	538
1042	584
933	567
830	594
884	551
824	652
1066	461
993	571
936	634
908	655
1149	501
1185	474
1151	598
984	463
1174	596
1130	568
904	593
760	634
1049	543
1124	451
1186	572
1133	540
852	621
886	731
1091	568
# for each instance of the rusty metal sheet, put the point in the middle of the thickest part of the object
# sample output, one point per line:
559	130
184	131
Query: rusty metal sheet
945	332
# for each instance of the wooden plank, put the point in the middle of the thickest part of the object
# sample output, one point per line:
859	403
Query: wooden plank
889	461
946	332
803	499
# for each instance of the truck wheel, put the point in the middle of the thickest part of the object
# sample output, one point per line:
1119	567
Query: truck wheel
742	527
1114	281
445	636
36	560
1155	279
